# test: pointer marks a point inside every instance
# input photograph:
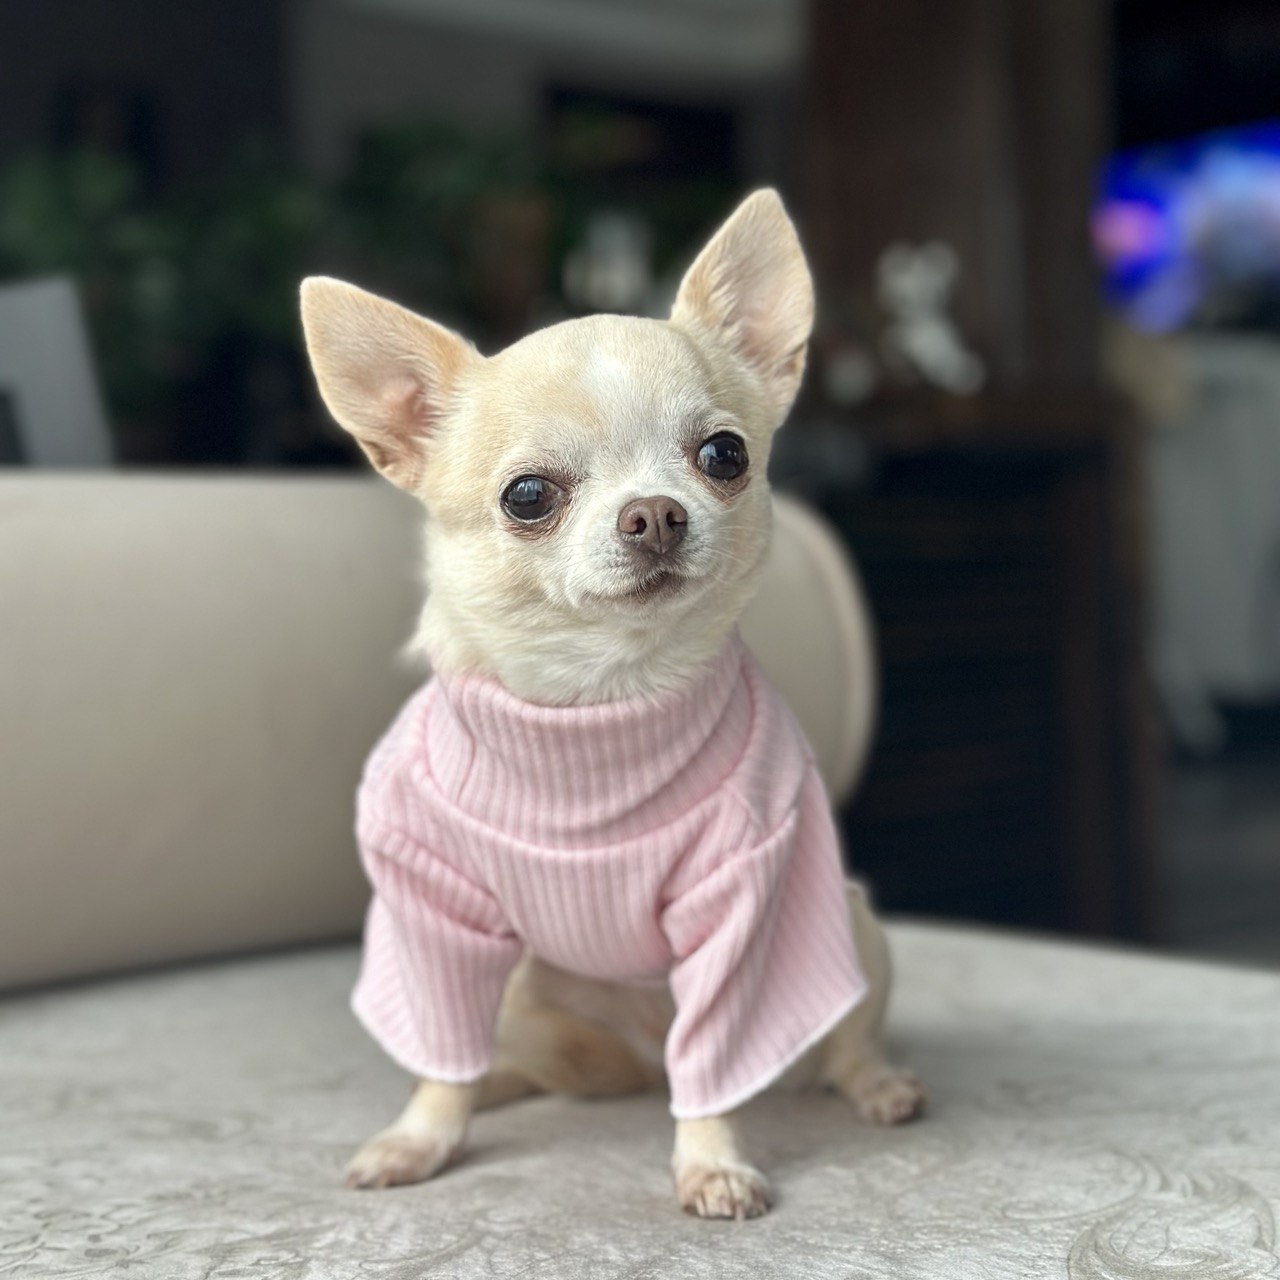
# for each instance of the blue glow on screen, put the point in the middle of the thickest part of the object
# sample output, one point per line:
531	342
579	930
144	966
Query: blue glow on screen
1179	226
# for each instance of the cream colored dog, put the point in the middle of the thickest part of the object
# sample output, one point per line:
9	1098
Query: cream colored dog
536	468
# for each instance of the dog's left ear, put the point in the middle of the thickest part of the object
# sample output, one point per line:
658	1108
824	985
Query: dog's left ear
750	289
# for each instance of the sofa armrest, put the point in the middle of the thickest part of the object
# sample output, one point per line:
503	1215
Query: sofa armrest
192	670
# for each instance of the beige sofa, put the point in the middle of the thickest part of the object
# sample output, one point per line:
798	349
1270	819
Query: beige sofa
191	671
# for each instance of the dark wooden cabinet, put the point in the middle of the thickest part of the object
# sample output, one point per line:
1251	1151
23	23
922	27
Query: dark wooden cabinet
1015	764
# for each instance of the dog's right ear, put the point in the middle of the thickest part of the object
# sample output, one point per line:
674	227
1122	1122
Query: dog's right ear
385	374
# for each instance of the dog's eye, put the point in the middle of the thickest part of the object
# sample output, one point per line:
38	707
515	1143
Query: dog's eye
532	498
723	457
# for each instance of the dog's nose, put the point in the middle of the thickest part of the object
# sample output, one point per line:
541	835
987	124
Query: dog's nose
656	524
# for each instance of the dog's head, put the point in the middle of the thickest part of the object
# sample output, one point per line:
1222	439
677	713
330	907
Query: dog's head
596	494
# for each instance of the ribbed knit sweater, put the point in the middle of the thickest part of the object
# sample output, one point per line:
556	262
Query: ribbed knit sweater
687	838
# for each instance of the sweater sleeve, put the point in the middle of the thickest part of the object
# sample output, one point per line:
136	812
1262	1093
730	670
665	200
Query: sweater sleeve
764	962
437	955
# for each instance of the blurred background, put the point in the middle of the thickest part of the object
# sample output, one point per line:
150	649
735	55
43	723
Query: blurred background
1044	398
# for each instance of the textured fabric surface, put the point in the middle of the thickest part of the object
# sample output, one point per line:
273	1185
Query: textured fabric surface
1095	1115
687	836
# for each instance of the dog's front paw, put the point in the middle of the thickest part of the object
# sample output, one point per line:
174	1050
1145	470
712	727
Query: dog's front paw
889	1096
723	1190
396	1158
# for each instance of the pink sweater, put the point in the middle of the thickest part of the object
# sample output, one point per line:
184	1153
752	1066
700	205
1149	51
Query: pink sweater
687	838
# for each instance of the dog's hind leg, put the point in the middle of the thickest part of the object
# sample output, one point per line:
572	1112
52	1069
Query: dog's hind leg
503	1085
852	1057
557	1052
554	1036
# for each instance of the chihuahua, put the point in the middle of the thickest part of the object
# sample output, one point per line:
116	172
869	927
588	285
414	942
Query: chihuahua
600	854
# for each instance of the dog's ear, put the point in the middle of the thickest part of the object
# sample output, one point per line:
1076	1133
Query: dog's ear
750	289
385	374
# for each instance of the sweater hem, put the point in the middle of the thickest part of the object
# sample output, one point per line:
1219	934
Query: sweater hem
403	1060
770	1076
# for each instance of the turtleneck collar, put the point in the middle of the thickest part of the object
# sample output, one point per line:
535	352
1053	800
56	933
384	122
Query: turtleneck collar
580	776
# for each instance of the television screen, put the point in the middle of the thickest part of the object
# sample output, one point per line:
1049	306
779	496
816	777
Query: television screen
1189	232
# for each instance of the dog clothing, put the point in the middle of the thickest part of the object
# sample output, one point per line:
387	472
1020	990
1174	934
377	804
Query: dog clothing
687	838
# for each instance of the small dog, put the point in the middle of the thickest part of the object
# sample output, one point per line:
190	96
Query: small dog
596	749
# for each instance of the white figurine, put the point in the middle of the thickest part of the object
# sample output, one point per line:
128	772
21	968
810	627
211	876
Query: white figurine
922	342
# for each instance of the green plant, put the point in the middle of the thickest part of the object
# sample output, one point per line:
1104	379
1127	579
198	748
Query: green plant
188	288
81	214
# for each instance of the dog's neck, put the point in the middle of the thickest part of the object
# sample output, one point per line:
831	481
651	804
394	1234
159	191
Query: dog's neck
566	662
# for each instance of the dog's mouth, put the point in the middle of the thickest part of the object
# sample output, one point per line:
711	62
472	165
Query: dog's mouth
660	584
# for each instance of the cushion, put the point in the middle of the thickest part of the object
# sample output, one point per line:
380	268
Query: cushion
1095	1114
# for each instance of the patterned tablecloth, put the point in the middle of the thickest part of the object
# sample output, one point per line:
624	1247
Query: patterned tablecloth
1095	1115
